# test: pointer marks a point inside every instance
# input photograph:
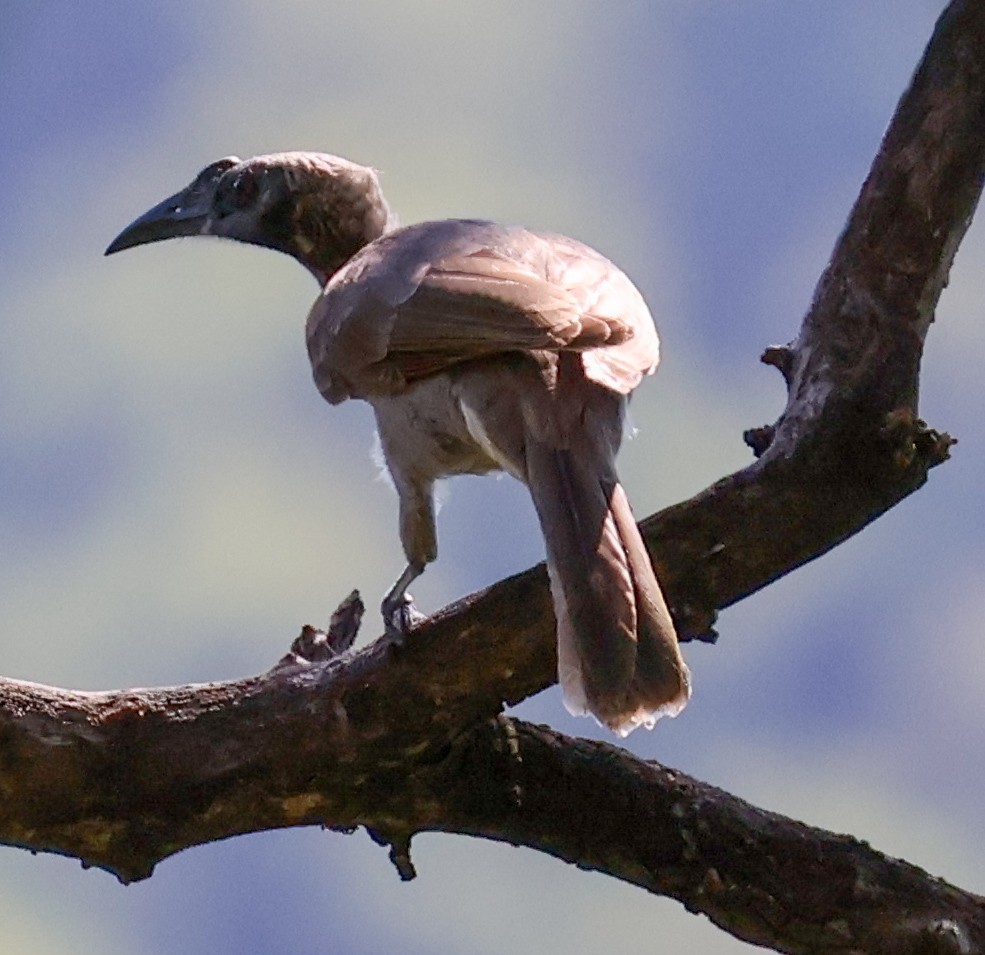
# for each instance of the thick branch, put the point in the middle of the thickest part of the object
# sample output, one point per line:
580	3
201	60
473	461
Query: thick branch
760	876
387	737
141	775
848	445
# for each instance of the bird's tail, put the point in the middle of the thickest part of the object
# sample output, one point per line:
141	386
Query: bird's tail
618	656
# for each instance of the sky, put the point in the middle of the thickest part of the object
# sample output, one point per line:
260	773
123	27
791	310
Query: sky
176	499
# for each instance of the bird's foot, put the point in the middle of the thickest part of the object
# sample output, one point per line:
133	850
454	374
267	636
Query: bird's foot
400	616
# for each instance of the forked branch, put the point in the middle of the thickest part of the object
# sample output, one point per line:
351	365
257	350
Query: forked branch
404	739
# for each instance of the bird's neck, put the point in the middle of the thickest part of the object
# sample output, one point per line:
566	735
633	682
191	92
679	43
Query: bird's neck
332	226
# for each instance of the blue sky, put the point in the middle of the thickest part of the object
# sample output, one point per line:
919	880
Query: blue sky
176	499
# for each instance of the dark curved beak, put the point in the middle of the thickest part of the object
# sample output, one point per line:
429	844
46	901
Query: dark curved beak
184	213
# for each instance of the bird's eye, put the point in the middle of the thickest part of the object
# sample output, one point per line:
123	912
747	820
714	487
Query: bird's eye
244	190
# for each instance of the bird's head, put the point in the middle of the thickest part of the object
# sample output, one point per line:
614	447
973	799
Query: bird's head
318	208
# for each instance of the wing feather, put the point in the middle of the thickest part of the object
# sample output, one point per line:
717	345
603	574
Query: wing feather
428	297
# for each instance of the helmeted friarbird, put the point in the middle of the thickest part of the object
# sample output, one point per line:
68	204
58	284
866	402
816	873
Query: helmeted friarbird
480	347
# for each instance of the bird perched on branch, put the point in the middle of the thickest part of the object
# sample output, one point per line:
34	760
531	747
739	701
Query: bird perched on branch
480	347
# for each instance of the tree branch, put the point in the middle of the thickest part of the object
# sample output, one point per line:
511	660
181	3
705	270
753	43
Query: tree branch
760	876
398	738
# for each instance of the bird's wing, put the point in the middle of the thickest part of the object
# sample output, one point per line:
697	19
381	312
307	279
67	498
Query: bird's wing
426	298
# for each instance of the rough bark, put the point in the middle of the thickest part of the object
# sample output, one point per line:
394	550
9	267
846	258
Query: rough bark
402	739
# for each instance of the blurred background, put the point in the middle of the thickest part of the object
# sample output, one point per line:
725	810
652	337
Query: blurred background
176	499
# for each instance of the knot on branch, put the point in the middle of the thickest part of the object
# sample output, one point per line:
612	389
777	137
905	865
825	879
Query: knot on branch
693	606
695	622
316	646
941	936
759	439
913	444
782	358
398	842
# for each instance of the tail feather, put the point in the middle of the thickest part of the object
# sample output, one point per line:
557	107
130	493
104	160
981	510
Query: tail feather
661	673
618	656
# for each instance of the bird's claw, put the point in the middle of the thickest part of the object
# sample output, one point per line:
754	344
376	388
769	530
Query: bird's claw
400	616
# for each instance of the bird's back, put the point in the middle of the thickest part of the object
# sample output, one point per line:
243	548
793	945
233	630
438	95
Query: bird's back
425	297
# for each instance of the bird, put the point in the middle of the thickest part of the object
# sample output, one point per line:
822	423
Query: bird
481	347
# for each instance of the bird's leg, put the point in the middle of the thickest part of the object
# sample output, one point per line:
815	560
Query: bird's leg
417	536
399	613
